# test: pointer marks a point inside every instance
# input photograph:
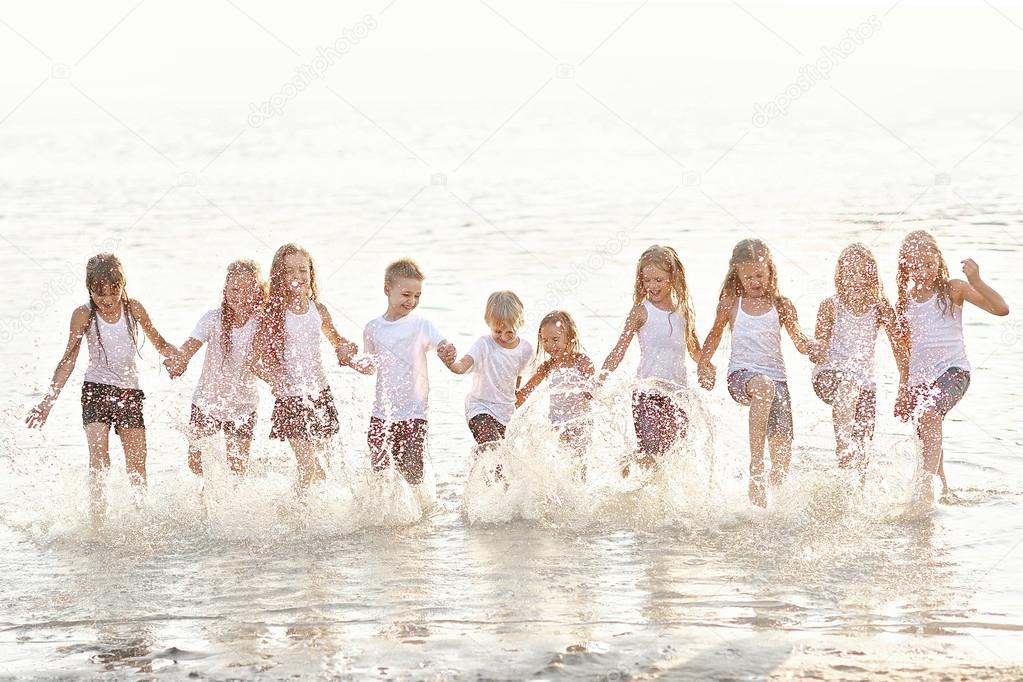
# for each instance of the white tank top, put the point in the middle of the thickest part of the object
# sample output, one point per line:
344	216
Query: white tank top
112	364
567	395
662	346
756	344
936	340
303	364
852	343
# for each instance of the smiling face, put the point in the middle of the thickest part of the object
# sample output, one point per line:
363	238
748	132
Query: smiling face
402	296
555	339
856	279
241	290
297	275
754	278
107	299
924	267
656	283
504	334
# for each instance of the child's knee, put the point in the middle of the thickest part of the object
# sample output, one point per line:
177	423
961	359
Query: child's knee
761	388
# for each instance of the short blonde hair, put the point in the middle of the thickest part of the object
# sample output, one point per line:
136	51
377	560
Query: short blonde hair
506	307
405	268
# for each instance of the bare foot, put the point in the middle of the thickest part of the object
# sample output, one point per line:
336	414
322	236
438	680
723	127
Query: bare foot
757	493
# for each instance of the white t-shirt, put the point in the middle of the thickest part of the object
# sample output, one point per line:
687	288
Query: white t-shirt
399	349
227	389
494	369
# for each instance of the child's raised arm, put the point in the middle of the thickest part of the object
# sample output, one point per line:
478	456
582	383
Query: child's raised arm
725	313
635	320
977	291
790	319
162	346
534	381
343	348
822	332
79	326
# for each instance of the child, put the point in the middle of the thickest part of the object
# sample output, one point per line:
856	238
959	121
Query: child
397	343
847	327
110	393
496	361
751	305
286	354
569	372
662	317
226	397
930	311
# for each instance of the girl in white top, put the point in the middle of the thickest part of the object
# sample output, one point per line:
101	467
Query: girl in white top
662	317
225	398
930	316
110	393
286	354
496	361
847	328
570	373
751	305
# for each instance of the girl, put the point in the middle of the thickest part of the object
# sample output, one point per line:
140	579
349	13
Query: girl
286	354
847	328
110	322
751	305
930	312
662	317
496	361
569	372
226	397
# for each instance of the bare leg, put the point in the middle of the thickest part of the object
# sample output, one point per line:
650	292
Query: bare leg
309	470
781	455
761	392
195	459
238	453
941	473
97	435
930	430
843	410
134	443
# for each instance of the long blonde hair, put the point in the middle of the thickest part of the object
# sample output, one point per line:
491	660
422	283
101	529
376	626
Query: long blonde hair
105	271
562	318
270	347
873	285
227	312
752	251
915	243
666	258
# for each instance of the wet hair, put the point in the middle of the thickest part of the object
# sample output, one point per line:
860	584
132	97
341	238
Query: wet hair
666	258
504	307
227	312
873	284
104	271
914	244
270	347
405	268
565	321
752	251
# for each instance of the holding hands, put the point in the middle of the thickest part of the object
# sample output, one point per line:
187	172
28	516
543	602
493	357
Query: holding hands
447	353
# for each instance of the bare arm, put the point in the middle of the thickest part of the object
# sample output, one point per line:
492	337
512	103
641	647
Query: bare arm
343	348
534	381
635	320
822	332
178	363
977	291
897	337
725	313
79	326
790	318
162	346
463	365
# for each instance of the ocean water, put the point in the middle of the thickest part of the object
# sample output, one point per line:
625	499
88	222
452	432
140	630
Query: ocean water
541	148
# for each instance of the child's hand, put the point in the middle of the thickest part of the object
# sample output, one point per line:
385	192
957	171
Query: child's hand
447	353
520	397
818	353
902	403
37	417
345	351
175	368
707	375
971	270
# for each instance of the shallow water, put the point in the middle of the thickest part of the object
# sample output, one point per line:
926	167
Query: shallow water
448	152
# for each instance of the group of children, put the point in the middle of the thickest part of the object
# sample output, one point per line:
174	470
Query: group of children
272	332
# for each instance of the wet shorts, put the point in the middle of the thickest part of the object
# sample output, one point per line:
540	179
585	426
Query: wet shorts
659	420
825	384
201	425
942	394
401	443
118	407
485	428
305	417
779	422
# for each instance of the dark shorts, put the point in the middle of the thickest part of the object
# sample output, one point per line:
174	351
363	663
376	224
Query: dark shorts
401	443
486	429
779	422
201	425
942	394
826	383
304	417
117	407
659	420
